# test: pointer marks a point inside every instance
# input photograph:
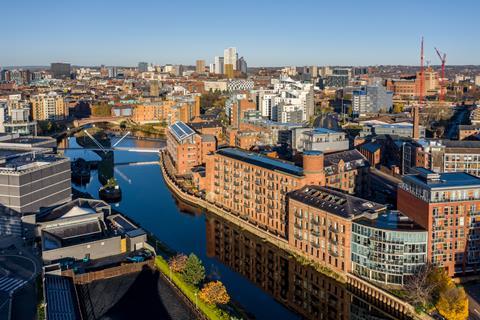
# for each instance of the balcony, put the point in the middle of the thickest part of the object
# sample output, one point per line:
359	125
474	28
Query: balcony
315	233
333	253
333	229
315	244
298	214
315	222
333	241
298	225
298	237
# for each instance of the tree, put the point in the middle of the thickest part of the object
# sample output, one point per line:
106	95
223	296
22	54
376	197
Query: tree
194	271
441	280
101	110
214	292
453	304
178	262
420	287
398	108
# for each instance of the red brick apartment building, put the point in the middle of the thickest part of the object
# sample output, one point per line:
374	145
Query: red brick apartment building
447	206
255	187
186	148
320	223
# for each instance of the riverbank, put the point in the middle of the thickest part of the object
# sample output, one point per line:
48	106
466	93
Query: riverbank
185	293
377	295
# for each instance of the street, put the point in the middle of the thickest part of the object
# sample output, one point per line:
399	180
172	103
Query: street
473	293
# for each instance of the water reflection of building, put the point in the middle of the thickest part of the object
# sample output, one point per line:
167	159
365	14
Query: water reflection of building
299	287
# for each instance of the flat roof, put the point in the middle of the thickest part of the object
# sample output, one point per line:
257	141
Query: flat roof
445	180
321	131
29	160
28	140
390	220
261	161
60	298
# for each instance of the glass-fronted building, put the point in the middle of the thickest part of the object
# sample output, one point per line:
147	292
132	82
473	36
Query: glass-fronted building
387	247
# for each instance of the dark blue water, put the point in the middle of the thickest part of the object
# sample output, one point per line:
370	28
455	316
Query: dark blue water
148	201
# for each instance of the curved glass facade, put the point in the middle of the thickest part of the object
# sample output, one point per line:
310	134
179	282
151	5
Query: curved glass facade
387	248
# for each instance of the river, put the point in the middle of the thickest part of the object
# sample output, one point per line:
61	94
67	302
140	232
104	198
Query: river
271	288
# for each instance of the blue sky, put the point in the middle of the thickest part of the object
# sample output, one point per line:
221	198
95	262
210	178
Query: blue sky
267	33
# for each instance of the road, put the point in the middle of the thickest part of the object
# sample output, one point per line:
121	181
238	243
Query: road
473	292
18	270
383	187
457	119
328	121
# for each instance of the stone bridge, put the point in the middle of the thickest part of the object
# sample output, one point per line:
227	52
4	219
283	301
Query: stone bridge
92	120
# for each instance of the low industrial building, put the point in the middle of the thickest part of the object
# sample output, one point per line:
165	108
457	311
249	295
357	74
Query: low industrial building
319	139
86	229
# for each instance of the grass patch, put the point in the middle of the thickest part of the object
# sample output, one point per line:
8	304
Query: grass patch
40	299
211	311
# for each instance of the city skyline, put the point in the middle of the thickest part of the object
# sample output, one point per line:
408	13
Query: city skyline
269	34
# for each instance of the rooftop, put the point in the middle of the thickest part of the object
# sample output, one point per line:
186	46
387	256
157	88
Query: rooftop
321	131
261	161
181	131
432	180
333	201
371	146
389	220
73	208
60	298
20	161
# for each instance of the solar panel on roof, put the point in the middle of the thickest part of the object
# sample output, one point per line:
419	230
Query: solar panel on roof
181	130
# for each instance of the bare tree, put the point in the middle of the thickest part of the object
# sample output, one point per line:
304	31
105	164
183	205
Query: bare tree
420	287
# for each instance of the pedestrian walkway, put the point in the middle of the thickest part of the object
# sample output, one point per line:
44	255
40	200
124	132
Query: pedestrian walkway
9	284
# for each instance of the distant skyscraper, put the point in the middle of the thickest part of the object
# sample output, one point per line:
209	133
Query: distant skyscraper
142	67
230	56
229	72
112	72
219	65
60	70
242	65
200	66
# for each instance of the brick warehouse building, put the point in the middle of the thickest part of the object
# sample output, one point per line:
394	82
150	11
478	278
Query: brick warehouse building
446	205
254	186
186	148
320	223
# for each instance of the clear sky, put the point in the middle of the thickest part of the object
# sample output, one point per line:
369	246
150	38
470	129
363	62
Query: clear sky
267	33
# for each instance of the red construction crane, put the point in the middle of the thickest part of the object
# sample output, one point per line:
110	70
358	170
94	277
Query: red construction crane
443	59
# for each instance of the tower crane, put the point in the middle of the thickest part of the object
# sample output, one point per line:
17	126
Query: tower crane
443	59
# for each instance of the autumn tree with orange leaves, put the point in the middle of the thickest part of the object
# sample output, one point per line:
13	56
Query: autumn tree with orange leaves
178	262
214	292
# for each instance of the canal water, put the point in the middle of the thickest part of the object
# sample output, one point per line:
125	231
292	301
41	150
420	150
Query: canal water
147	200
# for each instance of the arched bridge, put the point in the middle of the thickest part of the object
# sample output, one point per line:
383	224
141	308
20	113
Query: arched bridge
91	120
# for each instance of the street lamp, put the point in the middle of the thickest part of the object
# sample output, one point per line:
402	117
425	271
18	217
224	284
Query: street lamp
196	306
